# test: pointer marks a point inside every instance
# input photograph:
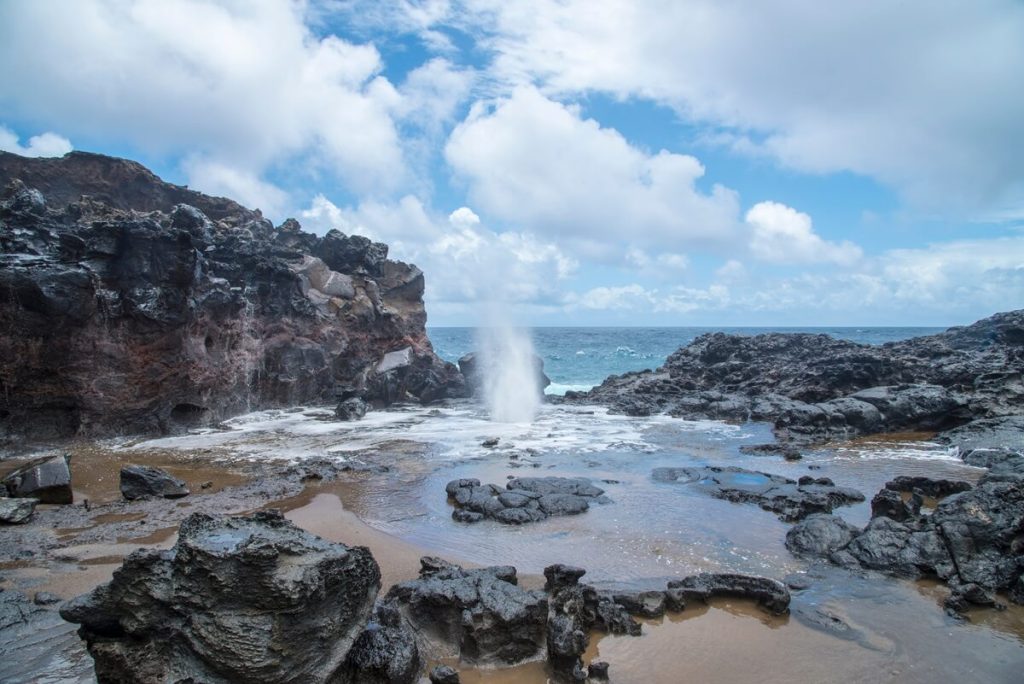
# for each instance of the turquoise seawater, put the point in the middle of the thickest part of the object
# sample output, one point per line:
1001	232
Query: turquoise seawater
579	358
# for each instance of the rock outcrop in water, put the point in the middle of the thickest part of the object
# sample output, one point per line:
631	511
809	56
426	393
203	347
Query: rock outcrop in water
524	499
251	599
973	540
791	499
143	306
815	387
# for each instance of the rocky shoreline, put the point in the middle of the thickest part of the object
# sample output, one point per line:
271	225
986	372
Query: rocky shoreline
145	307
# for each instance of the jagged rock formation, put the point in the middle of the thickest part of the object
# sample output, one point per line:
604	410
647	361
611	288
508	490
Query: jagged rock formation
815	387
524	500
128	304
974	539
252	599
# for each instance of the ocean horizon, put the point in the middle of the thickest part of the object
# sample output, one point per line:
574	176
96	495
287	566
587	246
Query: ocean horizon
577	358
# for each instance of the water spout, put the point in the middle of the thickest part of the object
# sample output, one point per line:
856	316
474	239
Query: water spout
510	381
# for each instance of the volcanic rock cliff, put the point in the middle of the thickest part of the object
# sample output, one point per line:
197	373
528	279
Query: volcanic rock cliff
128	304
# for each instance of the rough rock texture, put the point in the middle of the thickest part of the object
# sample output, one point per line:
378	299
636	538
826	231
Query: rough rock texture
386	652
16	511
820	535
928	486
524	500
480	615
353	408
251	599
47	480
973	538
145	306
139	481
815	387
791	499
771	595
443	674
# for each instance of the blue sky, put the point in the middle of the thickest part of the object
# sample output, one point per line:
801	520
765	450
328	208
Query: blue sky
577	163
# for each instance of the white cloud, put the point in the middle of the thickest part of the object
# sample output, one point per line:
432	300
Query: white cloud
922	97
534	162
214	178
638	299
43	145
466	263
245	85
783	235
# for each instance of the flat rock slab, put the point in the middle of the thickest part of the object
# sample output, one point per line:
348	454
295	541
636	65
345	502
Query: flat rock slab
793	500
523	500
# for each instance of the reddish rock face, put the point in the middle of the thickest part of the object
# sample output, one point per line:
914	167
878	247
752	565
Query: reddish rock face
132	305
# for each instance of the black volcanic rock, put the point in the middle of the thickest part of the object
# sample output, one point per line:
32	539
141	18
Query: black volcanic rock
139	481
791	499
144	306
251	599
815	387
525	499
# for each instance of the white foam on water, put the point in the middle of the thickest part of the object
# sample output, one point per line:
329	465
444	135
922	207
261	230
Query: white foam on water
456	432
559	389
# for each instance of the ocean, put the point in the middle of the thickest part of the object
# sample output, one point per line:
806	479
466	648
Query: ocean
580	358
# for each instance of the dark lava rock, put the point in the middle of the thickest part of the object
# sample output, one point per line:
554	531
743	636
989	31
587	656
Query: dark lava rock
928	486
648	604
818	388
443	674
351	409
790	499
559	576
771	595
46	479
16	511
1003	433
524	500
234	313
819	535
598	670
891	504
482	614
386	651
490	443
139	481
784	450
253	599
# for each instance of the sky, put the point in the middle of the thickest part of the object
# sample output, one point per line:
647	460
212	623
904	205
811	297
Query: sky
577	162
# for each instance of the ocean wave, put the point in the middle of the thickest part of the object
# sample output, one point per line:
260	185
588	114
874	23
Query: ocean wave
559	389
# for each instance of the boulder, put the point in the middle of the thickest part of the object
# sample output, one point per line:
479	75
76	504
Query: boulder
891	504
524	500
928	486
819	536
16	511
351	409
46	479
140	481
480	615
253	599
386	651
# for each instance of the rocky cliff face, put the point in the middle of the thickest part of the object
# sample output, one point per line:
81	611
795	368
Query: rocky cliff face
815	387
128	304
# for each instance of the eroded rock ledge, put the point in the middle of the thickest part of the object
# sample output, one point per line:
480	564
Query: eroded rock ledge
257	599
818	388
142	306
